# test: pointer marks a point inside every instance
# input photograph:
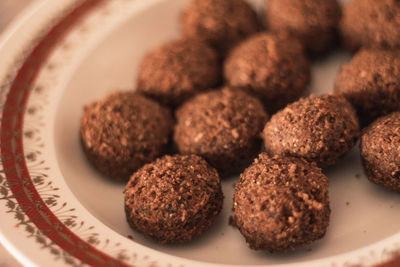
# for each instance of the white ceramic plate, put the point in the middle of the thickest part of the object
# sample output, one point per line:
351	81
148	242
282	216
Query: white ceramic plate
55	209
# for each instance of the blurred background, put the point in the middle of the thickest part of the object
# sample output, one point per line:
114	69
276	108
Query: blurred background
8	10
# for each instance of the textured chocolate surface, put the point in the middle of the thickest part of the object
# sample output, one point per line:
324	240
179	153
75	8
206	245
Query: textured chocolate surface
178	70
371	82
313	22
271	67
122	132
371	23
223	126
320	129
281	203
174	198
380	151
222	23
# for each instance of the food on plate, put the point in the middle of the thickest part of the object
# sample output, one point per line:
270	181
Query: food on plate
122	132
178	70
174	198
380	153
272	67
371	82
281	203
223	126
317	128
313	22
221	23
371	24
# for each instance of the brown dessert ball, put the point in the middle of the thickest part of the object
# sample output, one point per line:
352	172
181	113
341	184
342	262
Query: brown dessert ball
313	22
371	23
178	70
371	82
271	67
174	198
281	203
122	132
380	153
221	23
223	126
320	129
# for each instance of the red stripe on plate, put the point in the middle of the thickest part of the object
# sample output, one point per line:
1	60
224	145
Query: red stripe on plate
392	263
12	152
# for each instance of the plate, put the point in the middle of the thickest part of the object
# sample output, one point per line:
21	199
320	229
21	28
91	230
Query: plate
57	210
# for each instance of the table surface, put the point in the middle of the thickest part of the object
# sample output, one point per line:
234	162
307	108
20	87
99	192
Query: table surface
8	10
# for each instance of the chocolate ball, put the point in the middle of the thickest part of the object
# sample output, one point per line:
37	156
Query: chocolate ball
313	22
371	82
380	152
281	203
320	129
371	23
271	67
178	70
223	126
174	198
221	23
122	132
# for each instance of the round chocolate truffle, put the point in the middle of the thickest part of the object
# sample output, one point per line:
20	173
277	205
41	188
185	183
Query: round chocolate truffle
122	132
178	70
223	126
271	67
320	129
371	82
371	23
281	203
221	23
174	198
380	152
313	22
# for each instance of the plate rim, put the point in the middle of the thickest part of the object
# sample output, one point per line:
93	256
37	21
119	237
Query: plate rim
55	33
